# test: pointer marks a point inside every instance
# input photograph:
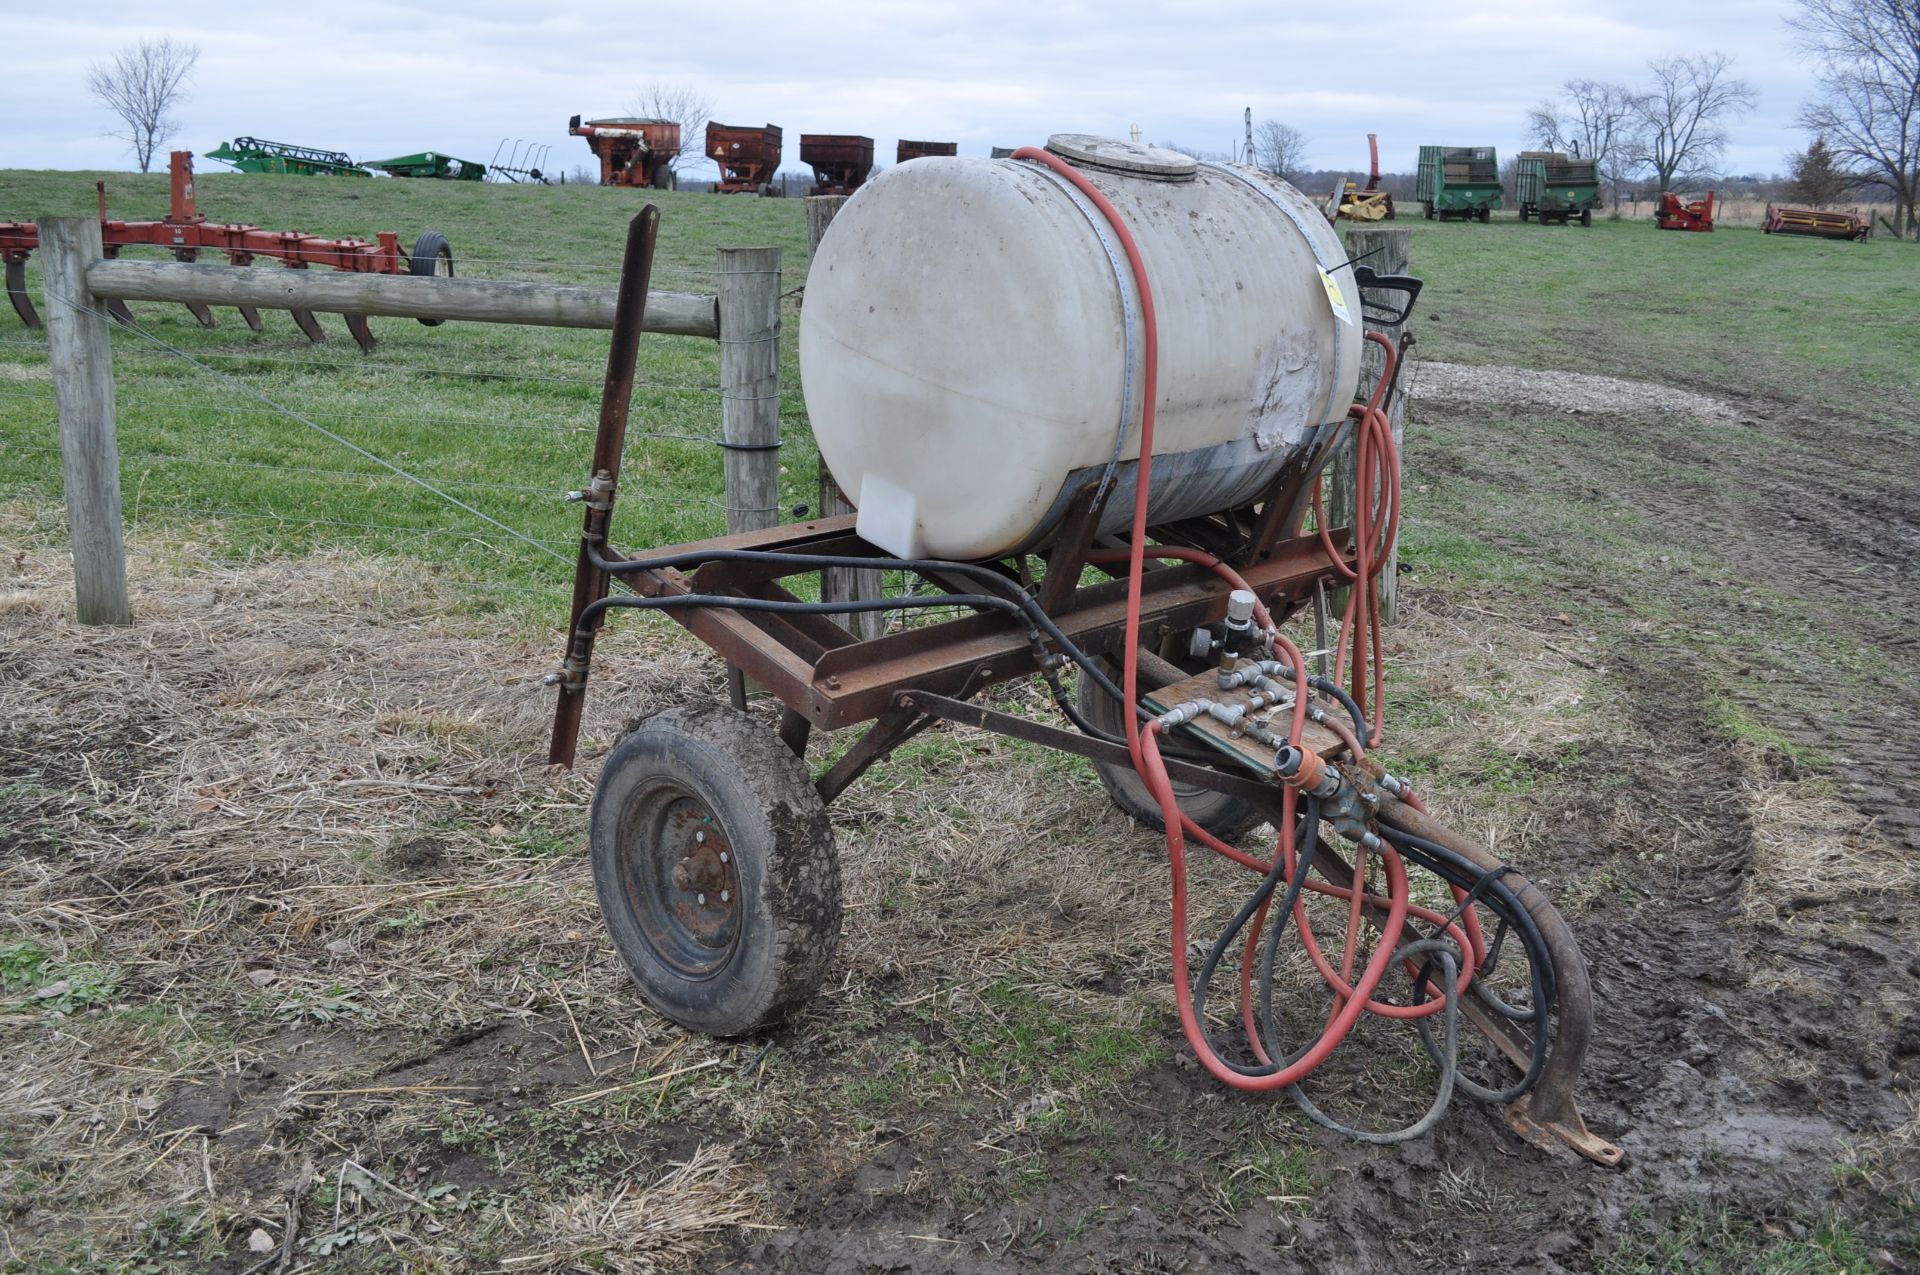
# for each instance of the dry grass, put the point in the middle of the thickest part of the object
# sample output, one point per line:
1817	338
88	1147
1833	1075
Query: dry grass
292	802
1810	847
640	1230
297	936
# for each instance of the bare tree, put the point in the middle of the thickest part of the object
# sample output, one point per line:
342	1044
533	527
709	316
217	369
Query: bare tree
684	106
1681	121
1868	92
1593	118
142	85
1280	149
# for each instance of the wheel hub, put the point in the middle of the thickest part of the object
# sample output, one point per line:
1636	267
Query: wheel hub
702	888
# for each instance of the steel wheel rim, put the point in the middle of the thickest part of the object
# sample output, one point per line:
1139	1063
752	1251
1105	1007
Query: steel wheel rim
680	880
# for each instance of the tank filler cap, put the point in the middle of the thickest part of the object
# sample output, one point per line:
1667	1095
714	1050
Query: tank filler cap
1128	159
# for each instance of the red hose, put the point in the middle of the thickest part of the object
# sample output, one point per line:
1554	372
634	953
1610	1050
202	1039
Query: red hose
1374	530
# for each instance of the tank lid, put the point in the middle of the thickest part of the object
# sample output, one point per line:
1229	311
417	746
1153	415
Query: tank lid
1110	154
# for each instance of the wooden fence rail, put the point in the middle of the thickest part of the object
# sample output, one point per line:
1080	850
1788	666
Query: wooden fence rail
743	317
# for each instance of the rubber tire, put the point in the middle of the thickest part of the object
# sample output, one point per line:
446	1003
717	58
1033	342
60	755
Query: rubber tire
1429	210
1486	215
1227	818
663	178
1586	216
1523	215
764	800
431	251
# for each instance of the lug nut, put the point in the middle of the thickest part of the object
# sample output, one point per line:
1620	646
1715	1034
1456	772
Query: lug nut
724	857
701	899
700	837
726	895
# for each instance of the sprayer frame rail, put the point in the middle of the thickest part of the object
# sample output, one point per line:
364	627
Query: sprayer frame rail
906	681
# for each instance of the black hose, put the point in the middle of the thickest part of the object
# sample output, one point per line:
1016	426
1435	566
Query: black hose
1442	950
1309	844
1459	871
1346	701
1023	602
671	601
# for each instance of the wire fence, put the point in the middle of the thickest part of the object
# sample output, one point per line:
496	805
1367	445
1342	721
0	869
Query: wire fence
440	445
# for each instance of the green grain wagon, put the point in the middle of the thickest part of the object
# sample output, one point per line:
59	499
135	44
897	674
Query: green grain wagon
1555	187
1458	181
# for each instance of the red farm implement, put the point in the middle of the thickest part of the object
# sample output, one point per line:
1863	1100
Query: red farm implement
632	152
840	161
1674	215
186	233
1782	220
748	157
920	150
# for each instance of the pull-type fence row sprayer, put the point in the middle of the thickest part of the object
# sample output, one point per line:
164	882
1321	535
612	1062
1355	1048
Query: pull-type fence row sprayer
1097	356
186	232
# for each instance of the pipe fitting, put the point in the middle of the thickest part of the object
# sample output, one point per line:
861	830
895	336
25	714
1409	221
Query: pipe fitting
1302	768
1181	714
1227	715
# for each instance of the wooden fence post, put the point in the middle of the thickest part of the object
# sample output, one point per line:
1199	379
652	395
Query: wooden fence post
749	398
840	584
80	349
750	385
1388	249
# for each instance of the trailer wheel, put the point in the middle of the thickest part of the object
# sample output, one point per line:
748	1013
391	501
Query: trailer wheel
663	178
1429	210
1227	818
432	256
715	868
1586	216
1523	215
1486	215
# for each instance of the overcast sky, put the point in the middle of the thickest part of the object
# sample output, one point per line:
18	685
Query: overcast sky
381	79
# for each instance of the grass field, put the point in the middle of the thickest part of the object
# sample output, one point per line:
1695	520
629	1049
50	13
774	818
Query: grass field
297	941
503	416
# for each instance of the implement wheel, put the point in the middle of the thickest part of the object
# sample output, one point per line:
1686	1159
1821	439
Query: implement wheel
1227	818
432	257
715	869
1586	216
1486	215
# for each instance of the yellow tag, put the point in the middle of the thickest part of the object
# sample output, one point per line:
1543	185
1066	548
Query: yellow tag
1334	299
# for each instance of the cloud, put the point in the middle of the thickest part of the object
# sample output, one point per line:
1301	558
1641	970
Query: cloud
382	78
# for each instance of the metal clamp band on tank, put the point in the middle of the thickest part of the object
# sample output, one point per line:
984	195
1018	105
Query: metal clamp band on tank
1334	413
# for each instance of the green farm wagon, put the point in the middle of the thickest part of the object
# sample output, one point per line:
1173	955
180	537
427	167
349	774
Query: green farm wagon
430	164
1458	181
1554	187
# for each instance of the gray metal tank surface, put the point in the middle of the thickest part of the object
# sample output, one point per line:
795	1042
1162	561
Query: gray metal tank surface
972	354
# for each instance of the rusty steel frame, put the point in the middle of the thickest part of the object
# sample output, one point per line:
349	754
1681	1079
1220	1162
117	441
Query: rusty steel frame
186	232
902	683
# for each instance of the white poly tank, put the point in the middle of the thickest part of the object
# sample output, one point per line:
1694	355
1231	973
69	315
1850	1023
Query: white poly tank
971	349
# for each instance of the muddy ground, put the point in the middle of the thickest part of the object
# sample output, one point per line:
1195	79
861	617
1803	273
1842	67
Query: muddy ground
303	969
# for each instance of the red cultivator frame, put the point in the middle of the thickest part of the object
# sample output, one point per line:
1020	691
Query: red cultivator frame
187	233
711	845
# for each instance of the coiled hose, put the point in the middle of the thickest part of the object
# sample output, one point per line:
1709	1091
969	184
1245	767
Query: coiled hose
1443	963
